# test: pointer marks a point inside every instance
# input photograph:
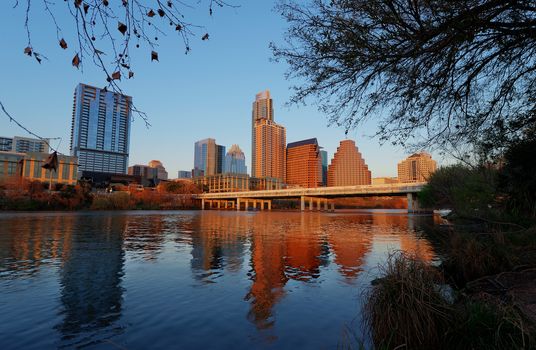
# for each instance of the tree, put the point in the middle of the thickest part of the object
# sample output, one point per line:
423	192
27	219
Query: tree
433	72
105	33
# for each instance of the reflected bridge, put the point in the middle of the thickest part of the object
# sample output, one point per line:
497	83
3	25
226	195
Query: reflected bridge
322	196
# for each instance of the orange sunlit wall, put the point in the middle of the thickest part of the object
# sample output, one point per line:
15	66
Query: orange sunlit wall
304	164
348	168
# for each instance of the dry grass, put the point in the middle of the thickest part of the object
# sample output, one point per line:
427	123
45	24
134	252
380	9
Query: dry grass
405	310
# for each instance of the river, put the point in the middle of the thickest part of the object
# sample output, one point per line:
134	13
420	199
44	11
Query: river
193	279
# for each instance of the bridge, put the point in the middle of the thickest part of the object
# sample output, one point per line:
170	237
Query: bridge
323	196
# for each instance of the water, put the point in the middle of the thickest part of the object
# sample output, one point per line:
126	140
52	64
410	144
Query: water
192	279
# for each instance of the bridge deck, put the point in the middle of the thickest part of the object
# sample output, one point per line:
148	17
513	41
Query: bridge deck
324	192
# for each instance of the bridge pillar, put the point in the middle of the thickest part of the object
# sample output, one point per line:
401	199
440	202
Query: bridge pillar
262	204
325	205
413	203
310	204
218	204
269	204
238	204
332	206
202	203
319	204
302	203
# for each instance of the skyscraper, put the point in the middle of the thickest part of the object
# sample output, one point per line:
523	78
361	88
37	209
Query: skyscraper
348	167
209	158
235	161
270	142
262	109
100	130
416	168
304	165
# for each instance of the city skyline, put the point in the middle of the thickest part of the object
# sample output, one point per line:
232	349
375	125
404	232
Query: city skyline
178	113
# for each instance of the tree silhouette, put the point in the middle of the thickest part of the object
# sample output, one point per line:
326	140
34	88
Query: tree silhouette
433	72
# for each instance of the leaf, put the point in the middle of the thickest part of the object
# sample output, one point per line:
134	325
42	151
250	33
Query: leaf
28	50
86	8
76	61
154	56
178	27
63	44
38	59
161	12
105	2
169	3
125	66
77	3
122	27
116	75
99	52
150	13
205	37
130	74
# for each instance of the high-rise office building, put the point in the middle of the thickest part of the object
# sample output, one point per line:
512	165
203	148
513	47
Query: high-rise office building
304	165
209	158
100	130
235	161
270	142
184	174
262	109
416	168
161	173
147	174
324	162
21	144
348	167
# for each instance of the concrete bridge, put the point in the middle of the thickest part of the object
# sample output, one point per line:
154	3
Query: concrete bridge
322	196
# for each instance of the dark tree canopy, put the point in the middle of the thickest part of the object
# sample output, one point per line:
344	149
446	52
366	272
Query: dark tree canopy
434	72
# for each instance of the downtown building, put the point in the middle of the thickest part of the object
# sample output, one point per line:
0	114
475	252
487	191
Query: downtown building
348	168
161	173
100	130
209	158
235	161
416	168
21	144
304	164
268	141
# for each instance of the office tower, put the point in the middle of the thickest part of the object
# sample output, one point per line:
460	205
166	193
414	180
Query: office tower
23	144
184	174
235	161
324	161
161	173
209	158
270	142
348	167
262	109
416	168
304	165
148	175
100	130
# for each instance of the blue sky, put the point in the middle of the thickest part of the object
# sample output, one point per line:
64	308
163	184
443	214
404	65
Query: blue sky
207	93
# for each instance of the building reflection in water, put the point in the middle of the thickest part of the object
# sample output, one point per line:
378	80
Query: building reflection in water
290	246
91	292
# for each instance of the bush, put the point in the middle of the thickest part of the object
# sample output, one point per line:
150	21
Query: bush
405	308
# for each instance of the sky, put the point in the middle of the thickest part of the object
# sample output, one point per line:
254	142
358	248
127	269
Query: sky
207	93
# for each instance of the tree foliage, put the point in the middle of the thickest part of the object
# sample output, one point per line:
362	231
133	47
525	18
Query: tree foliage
433	72
105	33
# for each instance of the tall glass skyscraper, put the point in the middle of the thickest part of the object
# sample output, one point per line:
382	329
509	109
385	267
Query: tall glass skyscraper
262	109
209	158
100	130
235	161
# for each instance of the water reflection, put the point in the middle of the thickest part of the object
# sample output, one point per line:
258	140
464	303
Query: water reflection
91	292
263	260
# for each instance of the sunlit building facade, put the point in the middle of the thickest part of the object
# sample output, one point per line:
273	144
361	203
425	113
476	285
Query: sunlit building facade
416	168
100	130
348	168
262	109
161	173
184	174
304	164
270	143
